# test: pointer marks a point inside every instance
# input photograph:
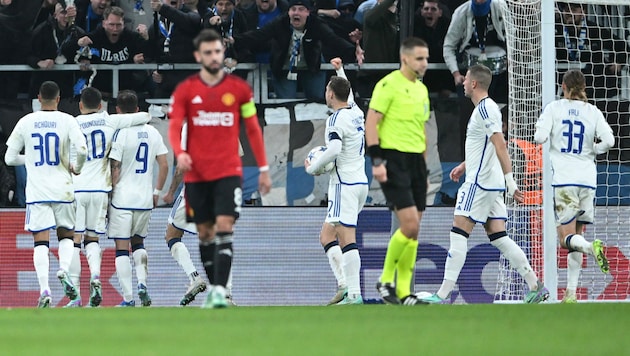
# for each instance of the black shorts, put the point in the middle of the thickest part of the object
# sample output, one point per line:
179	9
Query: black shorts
406	180
207	200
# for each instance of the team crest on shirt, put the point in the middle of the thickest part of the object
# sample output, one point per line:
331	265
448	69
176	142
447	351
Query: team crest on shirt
228	99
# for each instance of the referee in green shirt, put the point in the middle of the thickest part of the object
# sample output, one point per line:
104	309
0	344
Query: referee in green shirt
395	136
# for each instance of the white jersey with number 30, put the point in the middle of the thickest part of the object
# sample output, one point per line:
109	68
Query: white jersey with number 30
47	137
573	126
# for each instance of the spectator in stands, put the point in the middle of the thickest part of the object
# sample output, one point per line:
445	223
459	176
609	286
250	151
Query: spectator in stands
112	43
45	11
363	7
46	51
175	24
601	53
476	35
431	26
337	14
296	39
229	21
261	14
16	22
90	13
381	39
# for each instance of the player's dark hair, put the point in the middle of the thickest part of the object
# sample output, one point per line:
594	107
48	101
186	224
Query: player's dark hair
481	74
49	91
127	101
576	85
410	43
91	98
340	87
206	35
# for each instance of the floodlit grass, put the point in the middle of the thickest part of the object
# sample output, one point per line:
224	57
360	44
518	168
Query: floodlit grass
580	329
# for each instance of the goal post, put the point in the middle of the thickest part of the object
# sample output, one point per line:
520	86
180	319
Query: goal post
597	45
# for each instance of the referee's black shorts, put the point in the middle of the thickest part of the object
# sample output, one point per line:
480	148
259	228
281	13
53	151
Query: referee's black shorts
406	180
207	200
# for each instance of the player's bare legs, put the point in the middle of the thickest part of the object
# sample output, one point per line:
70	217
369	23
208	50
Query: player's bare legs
328	239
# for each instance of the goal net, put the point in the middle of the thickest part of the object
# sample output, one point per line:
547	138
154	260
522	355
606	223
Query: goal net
590	35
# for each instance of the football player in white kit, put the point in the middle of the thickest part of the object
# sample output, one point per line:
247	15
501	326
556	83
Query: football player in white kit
47	137
92	187
132	154
348	187
488	171
577	132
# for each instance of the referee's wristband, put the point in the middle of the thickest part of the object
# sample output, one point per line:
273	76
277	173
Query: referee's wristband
375	151
156	191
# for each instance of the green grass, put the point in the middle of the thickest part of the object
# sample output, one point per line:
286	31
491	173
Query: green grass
581	329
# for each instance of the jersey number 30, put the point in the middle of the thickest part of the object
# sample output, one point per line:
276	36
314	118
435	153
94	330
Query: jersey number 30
48	147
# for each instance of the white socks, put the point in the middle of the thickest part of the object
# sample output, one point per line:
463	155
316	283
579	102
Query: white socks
574	265
123	270
577	242
517	259
351	271
66	250
335	260
454	263
182	256
140	262
41	261
93	256
75	269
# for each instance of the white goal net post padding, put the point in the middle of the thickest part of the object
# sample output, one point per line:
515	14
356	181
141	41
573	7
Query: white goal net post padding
542	45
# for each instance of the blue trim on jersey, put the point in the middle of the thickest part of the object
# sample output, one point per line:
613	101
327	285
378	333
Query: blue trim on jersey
490	189
134	209
482	108
184	230
93	191
50	202
483	154
48	228
346	225
124	238
333	118
574	185
470	198
568	222
115	135
497	218
337	207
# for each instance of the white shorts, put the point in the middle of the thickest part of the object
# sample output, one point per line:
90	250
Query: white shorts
345	202
124	224
573	203
45	216
480	205
177	217
91	213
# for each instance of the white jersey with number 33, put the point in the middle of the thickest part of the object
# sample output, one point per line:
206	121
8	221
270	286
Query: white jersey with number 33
573	126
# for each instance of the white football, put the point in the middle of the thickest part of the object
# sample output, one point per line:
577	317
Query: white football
314	154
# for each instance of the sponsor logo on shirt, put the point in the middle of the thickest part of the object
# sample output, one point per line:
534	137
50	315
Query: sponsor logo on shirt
204	118
197	100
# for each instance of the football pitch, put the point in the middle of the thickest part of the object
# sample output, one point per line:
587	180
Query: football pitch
578	329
